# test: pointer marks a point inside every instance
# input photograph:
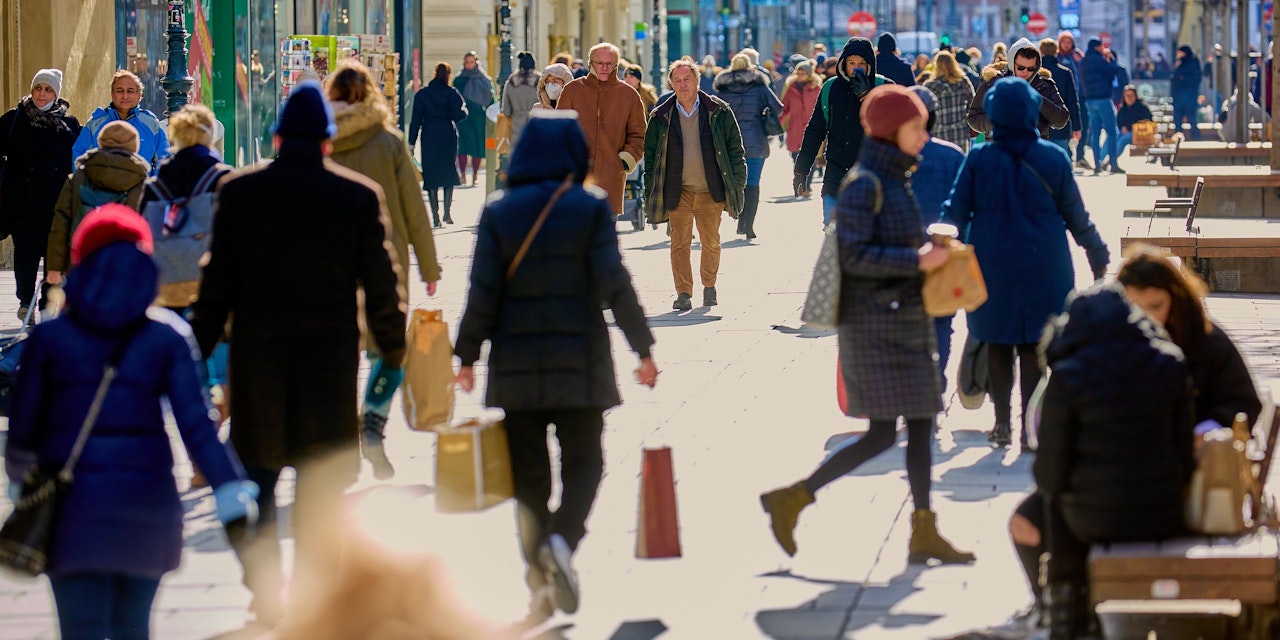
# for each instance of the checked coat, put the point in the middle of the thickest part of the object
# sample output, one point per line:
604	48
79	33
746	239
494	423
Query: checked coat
887	346
951	123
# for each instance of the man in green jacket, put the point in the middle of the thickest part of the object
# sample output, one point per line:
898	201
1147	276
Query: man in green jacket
696	169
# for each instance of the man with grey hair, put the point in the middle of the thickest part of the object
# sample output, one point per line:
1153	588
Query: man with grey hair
612	115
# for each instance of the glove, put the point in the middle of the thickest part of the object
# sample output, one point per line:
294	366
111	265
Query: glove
236	500
628	161
1098	256
797	183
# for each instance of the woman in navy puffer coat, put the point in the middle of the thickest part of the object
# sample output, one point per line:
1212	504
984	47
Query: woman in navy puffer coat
1029	197
120	526
747	92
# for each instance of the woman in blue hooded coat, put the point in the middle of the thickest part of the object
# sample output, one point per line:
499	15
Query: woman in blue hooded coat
1017	230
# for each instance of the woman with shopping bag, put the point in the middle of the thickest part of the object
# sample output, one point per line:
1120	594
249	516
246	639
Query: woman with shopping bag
549	357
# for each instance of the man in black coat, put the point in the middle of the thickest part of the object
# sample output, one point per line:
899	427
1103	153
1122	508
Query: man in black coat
889	65
1024	62
293	241
549	358
1066	82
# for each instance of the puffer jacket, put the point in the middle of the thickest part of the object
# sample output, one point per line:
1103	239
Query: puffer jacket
747	93
798	102
1118	463
108	169
1097	75
889	64
153	142
730	159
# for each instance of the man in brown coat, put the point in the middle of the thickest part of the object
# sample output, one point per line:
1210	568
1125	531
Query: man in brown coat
612	115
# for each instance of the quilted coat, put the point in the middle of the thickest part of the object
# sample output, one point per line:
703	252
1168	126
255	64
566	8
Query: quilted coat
747	92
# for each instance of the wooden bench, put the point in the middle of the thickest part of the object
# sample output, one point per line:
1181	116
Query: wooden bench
1199	154
1229	191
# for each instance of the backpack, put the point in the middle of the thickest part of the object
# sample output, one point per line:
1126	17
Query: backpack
1222	481
182	229
92	197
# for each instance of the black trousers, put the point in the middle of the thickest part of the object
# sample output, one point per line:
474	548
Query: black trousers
579	433
28	250
1068	554
1000	364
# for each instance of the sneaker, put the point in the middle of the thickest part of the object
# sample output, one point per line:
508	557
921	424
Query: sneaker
372	447
1084	164
709	296
557	559
684	302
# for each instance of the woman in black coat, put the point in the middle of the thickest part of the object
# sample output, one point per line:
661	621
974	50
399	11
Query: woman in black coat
549	357
36	138
748	94
437	108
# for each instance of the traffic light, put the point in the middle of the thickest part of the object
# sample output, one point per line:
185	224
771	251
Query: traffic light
945	40
1025	17
1008	15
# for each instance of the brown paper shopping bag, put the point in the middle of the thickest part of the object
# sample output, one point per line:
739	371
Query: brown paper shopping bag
657	527
473	466
956	285
428	372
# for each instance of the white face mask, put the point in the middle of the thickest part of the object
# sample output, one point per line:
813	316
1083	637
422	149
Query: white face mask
553	91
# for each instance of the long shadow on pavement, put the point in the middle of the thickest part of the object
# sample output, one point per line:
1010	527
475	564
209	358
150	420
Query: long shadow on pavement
834	614
683	318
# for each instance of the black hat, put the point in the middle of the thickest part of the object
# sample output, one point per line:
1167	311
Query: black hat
636	72
526	61
306	114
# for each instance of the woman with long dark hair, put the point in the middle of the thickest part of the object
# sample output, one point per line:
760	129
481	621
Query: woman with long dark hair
437	108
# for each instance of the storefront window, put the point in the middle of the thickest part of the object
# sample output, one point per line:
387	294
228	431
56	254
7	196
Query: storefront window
146	49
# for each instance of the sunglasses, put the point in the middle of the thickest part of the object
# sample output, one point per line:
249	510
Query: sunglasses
1022	68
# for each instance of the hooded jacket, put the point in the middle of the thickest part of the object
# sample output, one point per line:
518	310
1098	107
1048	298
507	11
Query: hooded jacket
1066	82
838	122
1053	110
38	147
549	343
153	142
369	144
1184	83
747	93
613	117
1118	462
107	169
889	65
798	103
730	160
123	514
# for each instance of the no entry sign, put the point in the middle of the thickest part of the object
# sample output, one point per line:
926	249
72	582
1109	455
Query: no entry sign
1037	23
862	23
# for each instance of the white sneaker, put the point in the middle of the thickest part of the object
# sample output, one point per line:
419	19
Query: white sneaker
557	559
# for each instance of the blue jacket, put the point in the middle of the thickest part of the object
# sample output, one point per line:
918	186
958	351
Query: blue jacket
123	513
940	163
888	64
1012	201
153	143
1097	75
1184	83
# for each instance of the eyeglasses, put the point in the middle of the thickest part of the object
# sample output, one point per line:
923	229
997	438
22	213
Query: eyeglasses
604	65
1022	68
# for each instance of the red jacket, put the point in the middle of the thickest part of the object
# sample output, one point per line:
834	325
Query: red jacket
798	102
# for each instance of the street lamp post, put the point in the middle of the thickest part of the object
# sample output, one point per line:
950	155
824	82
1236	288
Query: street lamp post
504	46
177	82
655	32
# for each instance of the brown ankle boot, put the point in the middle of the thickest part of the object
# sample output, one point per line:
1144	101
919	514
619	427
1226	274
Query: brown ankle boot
783	507
926	543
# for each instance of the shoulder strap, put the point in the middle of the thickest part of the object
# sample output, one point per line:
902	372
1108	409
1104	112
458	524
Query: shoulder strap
537	225
100	396
1027	165
825	99
157	186
206	181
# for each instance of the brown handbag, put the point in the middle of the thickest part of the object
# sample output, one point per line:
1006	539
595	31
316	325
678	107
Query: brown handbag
956	285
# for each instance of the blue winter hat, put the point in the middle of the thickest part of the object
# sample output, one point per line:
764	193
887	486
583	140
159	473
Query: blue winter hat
306	114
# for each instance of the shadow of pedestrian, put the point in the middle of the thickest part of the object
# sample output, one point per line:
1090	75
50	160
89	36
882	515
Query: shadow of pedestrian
639	630
805	331
665	244
739	242
683	318
850	598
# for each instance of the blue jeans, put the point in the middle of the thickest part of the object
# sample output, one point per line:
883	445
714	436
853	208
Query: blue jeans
1065	143
1126	139
754	168
1102	119
93	606
1186	110
828	210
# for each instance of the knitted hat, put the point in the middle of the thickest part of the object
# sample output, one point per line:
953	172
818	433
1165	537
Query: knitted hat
526	61
888	107
118	134
306	114
929	98
109	224
51	77
558	70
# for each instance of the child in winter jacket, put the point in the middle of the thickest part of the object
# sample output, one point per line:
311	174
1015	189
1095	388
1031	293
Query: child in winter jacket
114	172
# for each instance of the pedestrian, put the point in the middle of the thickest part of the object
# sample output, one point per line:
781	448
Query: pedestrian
886	341
707	77
1066	82
1028	197
551	86
476	88
954	93
1098	73
648	93
1132	111
835	121
889	65
922	64
613	117
694	169
966	65
293	368
799	98
120	527
520	94
999	52
1026	65
437	110
575	253
1070	56
35	140
111	172
746	90
369	143
126	94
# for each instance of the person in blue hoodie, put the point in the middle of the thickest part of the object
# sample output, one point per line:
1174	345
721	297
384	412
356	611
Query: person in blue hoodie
889	64
126	94
1012	201
1098	75
119	528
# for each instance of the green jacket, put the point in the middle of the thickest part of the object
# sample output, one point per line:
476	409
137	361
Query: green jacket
108	169
730	156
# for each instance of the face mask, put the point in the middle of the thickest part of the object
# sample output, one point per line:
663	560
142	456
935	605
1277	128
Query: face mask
553	91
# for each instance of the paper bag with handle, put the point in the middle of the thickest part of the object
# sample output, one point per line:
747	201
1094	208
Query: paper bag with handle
657	526
428	372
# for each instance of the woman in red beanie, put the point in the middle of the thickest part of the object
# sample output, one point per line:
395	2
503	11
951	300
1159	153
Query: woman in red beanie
887	341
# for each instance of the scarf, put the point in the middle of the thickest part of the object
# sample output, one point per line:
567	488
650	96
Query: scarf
478	88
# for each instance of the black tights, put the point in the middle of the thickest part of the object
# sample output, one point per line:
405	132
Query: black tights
877	440
1000	364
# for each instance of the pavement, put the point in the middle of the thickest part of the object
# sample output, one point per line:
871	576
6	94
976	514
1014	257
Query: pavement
746	402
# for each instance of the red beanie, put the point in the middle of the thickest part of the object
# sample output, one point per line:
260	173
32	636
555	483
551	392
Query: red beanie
888	107
108	224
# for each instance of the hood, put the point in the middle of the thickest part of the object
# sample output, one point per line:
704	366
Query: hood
552	145
1097	316
114	169
1189	55
857	47
359	122
740	80
112	288
1012	105
1094	43
887	43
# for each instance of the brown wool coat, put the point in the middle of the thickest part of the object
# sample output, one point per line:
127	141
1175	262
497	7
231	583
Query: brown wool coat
613	117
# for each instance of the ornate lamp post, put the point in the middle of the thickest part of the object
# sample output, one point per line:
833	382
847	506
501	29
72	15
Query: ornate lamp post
177	82
655	32
504	46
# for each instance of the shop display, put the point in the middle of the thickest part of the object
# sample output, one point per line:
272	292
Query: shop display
322	53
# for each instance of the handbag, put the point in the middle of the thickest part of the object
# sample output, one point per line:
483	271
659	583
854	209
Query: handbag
956	285
821	303
4	159
26	535
772	126
975	376
473	467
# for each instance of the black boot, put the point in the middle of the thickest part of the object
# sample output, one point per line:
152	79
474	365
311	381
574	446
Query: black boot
448	204
747	220
1068	608
433	199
